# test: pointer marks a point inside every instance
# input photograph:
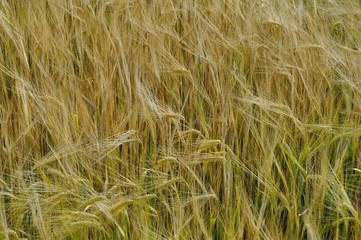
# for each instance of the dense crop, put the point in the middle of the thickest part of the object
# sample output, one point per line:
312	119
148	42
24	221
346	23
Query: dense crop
185	119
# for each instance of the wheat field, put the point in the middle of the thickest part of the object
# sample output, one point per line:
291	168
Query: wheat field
180	119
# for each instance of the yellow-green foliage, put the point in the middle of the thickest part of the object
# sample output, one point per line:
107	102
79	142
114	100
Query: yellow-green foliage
185	119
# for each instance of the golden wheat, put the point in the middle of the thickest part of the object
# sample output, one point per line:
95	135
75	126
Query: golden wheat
185	119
